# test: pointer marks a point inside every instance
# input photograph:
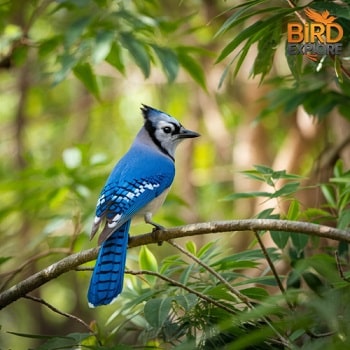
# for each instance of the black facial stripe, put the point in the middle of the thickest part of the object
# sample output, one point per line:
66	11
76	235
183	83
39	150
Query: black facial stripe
176	130
152	131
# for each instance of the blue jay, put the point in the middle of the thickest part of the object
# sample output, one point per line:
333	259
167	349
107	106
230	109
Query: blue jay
137	185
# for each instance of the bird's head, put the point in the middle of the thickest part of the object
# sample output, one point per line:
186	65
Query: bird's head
165	131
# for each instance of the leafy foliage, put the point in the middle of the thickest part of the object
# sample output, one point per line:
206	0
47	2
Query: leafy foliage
58	145
187	306
267	29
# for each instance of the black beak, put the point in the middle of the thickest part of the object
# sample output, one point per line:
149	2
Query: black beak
187	134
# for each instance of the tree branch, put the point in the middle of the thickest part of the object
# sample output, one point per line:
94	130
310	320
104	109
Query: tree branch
73	261
54	309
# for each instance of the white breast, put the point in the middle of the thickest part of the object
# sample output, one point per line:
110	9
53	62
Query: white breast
155	204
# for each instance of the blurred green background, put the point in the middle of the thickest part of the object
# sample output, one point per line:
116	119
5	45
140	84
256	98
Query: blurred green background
73	75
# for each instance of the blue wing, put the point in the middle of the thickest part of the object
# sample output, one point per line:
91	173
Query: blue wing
138	178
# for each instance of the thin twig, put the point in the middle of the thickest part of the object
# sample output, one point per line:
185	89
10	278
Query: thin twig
12	274
183	286
76	231
54	309
272	267
38	10
233	290
292	5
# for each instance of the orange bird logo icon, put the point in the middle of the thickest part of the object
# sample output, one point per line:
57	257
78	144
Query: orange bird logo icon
322	17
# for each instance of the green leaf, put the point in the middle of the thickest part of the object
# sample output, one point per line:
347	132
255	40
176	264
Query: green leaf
255	293
293	279
313	281
280	238
235	196
295	64
191	247
242	36
236	17
344	220
242	54
293	210
72	340
225	72
230	263
299	240
263	169
137	51
335	9
267	214
3	259
343	249
31	336
191	66
205	249
168	60
86	75
338	69
114	58
76	29
255	174
315	213
264	280
147	261
186	274
49	45
220	292
266	50
103	43
256	30
156	311
67	62
328	192
339	168
187	301
286	190
58	342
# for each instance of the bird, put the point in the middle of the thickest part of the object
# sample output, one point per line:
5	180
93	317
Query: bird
137	185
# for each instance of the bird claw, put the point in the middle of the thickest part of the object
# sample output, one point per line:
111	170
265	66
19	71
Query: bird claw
156	228
156	234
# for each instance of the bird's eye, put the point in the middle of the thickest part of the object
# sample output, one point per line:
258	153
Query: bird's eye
167	129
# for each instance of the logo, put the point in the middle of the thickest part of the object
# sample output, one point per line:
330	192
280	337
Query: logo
321	36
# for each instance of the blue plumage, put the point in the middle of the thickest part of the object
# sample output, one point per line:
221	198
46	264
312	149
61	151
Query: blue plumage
137	186
107	280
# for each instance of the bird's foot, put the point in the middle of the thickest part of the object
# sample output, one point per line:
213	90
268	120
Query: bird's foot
156	228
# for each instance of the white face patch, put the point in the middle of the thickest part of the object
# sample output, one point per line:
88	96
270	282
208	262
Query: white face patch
166	132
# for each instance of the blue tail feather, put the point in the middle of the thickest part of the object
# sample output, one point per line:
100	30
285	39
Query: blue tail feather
108	275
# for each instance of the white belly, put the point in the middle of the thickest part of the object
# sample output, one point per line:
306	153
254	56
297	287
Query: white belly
153	206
